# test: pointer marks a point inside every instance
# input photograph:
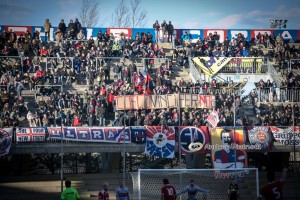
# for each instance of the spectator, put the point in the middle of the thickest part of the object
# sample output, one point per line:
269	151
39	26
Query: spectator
77	26
62	27
80	35
58	36
156	28
164	27
47	26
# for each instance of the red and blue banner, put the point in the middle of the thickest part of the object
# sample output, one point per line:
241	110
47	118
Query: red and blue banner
233	33
30	134
260	136
228	147
195	34
193	139
222	33
91	134
138	134
160	141
5	141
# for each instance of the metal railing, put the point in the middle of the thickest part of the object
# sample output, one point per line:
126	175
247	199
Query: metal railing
13	57
100	61
293	62
46	86
58	60
194	72
272	71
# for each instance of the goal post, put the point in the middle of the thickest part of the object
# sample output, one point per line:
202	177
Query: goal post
147	183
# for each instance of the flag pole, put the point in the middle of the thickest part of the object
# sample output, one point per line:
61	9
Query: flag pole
124	153
179	140
61	153
123	135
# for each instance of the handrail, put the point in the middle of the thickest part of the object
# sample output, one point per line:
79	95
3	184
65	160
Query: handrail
194	72
272	71
36	86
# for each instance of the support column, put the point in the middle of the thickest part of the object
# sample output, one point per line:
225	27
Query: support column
195	161
110	162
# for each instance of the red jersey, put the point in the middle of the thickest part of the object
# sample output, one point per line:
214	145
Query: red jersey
272	191
169	192
103	195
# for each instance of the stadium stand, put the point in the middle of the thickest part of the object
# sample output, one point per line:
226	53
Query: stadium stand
74	82
81	78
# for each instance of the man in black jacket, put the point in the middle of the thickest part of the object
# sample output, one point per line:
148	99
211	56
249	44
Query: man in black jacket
170	29
62	27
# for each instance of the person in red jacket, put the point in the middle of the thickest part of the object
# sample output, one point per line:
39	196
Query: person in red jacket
44	52
40	74
110	100
76	121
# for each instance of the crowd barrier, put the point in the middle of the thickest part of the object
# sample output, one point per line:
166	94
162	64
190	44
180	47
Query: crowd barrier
293	63
6	60
38	87
194	72
273	73
56	61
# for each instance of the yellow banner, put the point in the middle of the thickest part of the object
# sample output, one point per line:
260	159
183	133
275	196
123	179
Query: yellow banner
211	65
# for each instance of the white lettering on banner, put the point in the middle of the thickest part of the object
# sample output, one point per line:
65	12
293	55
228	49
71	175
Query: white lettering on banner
55	133
235	34
23	138
286	35
51	34
219	32
110	135
97	134
22	130
117	32
17	29
69	134
38	130
38	138
262	32
82	133
89	33
193	32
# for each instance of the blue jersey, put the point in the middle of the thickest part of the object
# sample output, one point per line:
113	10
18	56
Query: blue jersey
192	191
122	193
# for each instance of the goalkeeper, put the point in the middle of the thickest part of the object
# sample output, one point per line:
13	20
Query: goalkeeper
192	190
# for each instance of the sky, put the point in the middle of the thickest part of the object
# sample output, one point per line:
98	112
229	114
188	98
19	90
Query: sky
201	14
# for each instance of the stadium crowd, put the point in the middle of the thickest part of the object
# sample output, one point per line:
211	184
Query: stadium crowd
74	59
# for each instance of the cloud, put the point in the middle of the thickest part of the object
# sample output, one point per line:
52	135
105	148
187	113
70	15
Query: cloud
212	14
227	22
15	7
15	10
256	18
190	25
